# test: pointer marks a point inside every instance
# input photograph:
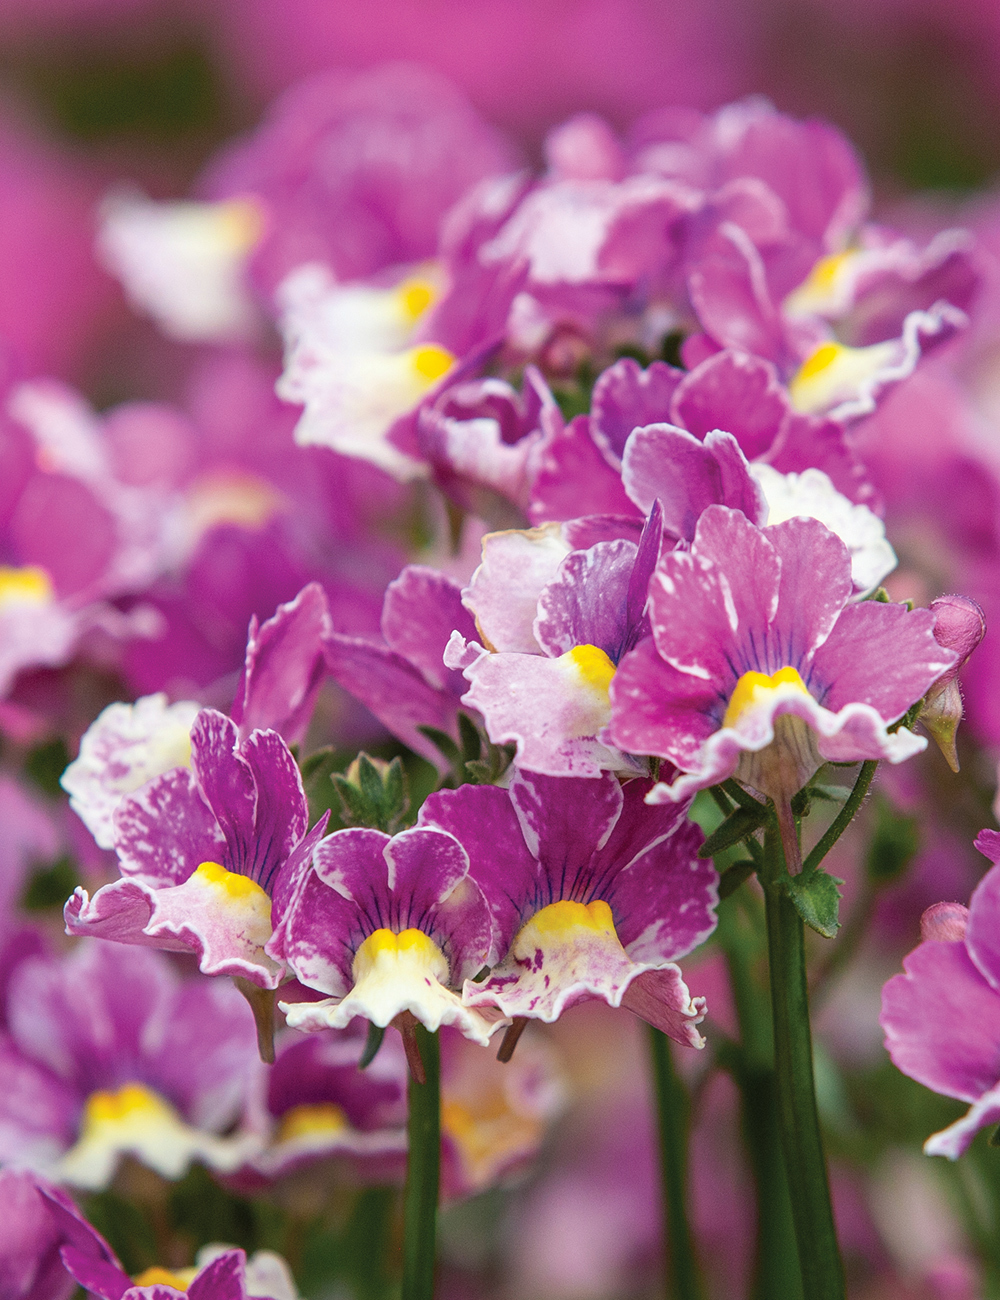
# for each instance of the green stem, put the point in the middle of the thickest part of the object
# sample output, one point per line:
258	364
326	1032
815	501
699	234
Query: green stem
422	1173
819	1255
673	1109
844	818
776	1266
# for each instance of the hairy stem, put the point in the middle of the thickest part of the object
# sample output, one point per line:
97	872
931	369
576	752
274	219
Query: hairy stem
844	818
673	1113
422	1172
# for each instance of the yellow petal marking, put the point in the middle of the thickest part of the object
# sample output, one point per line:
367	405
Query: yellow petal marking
30	585
383	951
593	665
752	686
560	920
156	1276
237	887
821	359
241	223
415	297
323	1117
431	362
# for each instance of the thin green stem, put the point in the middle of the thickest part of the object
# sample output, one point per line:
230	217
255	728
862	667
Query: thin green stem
422	1173
844	818
776	1265
673	1113
819	1255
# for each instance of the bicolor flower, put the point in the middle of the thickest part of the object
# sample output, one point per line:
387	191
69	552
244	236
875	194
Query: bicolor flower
555	623
202	850
315	1104
184	263
218	1273
110	1055
594	893
942	1015
388	929
355	361
760	667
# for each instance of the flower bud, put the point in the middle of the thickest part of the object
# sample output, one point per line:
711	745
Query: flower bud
944	922
959	626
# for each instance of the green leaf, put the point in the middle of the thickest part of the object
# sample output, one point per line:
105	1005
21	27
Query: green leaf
443	742
741	823
50	885
374	1041
894	844
734	876
321	796
373	793
817	900
45	764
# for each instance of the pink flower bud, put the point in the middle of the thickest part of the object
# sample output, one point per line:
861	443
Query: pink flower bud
944	922
959	625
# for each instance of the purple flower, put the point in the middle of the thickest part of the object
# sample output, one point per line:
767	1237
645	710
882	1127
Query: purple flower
594	894
109	1054
556	622
315	1104
202	850
942	1016
219	1272
385	927
759	667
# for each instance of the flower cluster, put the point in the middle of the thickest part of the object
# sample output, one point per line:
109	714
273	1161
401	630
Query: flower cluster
566	500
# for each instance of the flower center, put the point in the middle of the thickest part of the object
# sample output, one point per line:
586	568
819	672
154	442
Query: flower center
835	372
415	297
431	361
157	1276
753	688
388	956
322	1117
593	665
28	586
559	921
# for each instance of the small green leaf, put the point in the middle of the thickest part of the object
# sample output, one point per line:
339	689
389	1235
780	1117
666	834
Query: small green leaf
443	742
373	793
734	876
894	844
741	823
817	901
50	885
45	764
374	1041
322	798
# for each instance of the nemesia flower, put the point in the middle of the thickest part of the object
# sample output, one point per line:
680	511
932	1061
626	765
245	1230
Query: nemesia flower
219	1272
759	667
942	1016
494	1118
202	849
354	360
315	1104
183	262
593	891
386	926
110	1054
556	623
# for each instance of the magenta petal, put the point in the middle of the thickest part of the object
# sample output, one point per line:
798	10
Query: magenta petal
574	479
165	830
942	1022
982	934
284	667
223	1279
395	691
626	397
422	608
657	710
587	601
661	998
736	392
955	1139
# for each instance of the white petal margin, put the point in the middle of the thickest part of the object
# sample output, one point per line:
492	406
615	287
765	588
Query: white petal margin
812	494
854	733
221	915
395	973
844	382
183	262
954	1140
136	1121
126	746
568	952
